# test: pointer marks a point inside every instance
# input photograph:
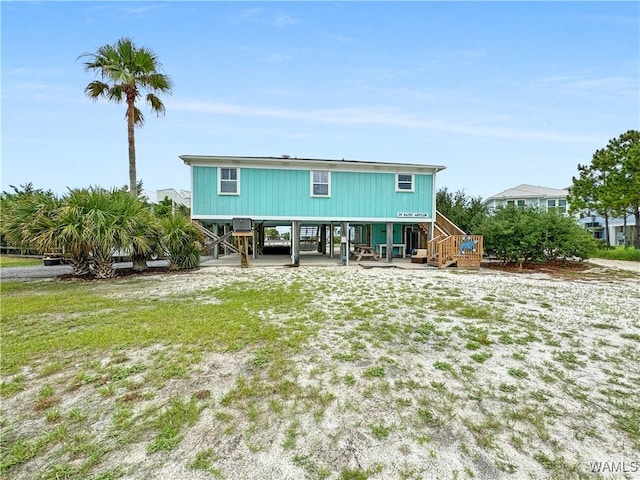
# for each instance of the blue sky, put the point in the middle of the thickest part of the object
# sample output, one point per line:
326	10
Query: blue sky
501	93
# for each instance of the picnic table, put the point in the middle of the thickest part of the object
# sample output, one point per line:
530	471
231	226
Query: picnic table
365	251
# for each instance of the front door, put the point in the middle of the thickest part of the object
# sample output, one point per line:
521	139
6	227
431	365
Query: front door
413	239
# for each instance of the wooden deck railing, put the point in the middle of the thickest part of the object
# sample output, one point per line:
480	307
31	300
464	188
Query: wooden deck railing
466	250
432	247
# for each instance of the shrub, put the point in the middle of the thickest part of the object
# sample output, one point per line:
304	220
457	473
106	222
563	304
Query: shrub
181	240
526	235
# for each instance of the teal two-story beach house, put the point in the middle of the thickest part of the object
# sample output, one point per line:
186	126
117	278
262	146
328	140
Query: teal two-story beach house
387	208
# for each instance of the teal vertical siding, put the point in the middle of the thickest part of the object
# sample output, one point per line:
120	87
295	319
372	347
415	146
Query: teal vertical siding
286	193
379	233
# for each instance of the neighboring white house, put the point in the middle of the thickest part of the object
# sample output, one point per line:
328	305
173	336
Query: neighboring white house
617	233
179	197
554	198
531	196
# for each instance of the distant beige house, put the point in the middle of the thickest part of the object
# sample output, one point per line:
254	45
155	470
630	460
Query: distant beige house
531	196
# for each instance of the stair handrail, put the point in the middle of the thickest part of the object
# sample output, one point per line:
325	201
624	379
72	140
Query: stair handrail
447	225
446	250
432	247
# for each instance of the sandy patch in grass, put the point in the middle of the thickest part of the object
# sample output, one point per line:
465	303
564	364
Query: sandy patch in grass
408	374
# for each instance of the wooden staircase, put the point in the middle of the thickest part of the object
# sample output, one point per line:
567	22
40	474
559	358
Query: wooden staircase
451	245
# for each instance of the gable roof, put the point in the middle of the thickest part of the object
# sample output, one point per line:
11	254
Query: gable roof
529	191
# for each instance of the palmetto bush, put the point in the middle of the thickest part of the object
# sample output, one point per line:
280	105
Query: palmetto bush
182	241
121	222
137	229
91	225
94	224
28	219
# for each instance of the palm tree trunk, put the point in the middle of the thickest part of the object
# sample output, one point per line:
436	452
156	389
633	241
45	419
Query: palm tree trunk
133	185
81	265
139	261
103	267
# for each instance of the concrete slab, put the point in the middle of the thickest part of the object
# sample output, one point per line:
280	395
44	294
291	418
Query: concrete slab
307	259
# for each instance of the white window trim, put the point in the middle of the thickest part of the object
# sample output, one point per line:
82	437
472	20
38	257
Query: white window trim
237	192
413	183
311	183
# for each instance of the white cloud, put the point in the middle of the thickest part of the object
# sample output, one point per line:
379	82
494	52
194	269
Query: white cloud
385	117
265	17
583	84
249	14
142	9
278	57
286	20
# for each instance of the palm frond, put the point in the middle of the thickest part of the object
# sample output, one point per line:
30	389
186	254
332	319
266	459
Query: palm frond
156	104
96	89
138	117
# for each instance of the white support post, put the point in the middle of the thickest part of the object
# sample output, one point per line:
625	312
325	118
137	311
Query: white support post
345	243
253	244
295	242
331	243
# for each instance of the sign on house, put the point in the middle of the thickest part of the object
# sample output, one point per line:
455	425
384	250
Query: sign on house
413	215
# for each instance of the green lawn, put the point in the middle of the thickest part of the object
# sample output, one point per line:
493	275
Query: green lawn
9	261
90	320
619	253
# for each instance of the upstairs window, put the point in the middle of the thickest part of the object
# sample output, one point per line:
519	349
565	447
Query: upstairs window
560	205
516	203
320	183
228	181
404	182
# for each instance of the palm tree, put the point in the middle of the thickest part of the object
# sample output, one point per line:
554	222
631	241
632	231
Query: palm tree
125	71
